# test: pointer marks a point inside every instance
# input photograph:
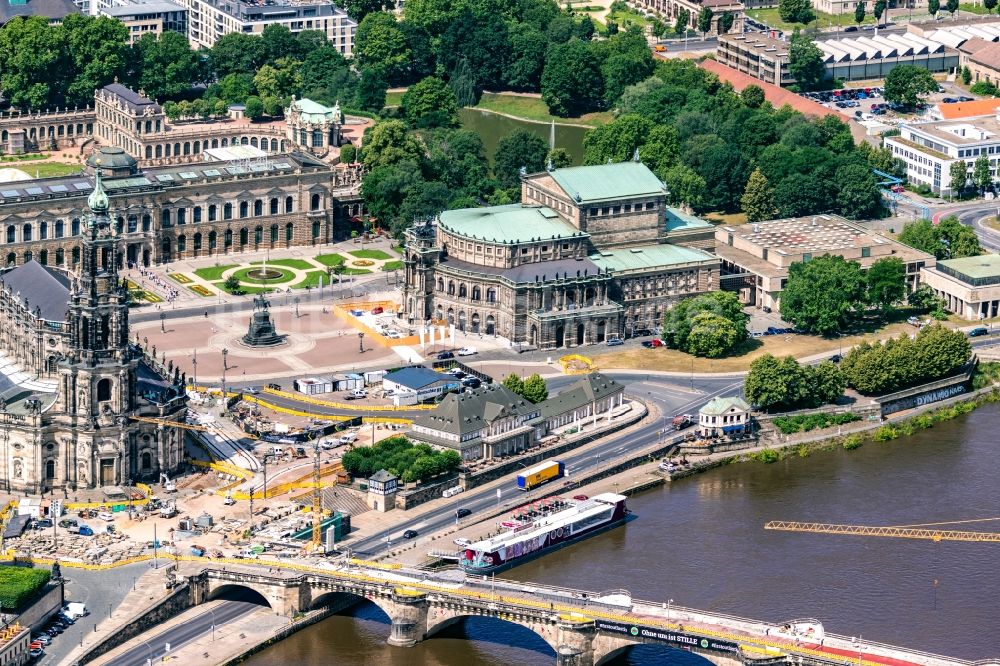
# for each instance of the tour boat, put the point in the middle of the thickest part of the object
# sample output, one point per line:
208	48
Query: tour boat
544	526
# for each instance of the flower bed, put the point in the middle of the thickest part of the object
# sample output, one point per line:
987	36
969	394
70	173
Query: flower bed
362	262
201	291
180	277
243	275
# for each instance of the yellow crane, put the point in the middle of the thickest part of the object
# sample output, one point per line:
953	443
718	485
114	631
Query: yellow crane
897	531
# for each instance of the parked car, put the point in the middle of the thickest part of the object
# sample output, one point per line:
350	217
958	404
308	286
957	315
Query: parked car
580	498
43	523
949	100
966	99
378	310
898	188
67	523
274	387
462	513
85	531
462	541
356	394
836	358
106	516
766	309
348	438
456	373
977	331
410	534
472	382
850	28
615	342
467	351
36	652
445	355
252	390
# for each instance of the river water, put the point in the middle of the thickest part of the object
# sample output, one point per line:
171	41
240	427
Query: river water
492	127
701	542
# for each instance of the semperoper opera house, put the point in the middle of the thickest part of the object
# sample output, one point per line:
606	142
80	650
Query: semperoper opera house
591	254
73	389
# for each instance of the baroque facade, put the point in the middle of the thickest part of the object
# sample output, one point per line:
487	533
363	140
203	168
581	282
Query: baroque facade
71	384
584	259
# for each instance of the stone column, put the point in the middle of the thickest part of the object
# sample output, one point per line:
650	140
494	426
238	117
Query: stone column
409	619
575	643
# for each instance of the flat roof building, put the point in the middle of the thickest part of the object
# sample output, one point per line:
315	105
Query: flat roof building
756	257
970	286
143	17
929	149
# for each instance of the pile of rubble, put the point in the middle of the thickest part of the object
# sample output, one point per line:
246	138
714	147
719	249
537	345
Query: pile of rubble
97	549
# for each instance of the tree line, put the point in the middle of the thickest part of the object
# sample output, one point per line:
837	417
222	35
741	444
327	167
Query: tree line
883	367
402	458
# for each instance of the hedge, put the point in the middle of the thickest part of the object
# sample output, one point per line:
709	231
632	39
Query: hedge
806	422
19	585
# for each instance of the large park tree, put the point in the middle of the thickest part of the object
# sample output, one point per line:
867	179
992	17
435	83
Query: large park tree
430	103
949	239
572	83
708	325
758	198
777	384
907	84
885	281
805	61
796	11
517	150
822	293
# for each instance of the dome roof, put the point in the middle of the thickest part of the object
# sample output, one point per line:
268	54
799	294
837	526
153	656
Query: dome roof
111	157
12	175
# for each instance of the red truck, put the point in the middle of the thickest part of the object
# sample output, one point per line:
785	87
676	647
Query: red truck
682	421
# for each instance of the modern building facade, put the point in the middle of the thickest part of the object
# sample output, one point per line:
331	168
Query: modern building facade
669	10
71	382
756	257
148	17
929	149
583	259
970	286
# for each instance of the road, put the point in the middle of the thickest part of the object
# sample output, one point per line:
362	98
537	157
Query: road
194	628
972	215
672	397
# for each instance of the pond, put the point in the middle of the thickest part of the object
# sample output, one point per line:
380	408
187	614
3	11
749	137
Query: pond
492	127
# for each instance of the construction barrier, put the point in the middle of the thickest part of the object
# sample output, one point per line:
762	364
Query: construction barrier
575	364
348	406
296	412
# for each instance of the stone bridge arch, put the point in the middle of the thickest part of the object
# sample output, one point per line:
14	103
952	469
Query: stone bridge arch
238	591
441	616
281	594
606	647
342	599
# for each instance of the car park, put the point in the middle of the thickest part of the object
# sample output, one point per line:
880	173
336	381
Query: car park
410	534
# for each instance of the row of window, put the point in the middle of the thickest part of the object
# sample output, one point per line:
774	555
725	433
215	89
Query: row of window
180	215
244	234
623	208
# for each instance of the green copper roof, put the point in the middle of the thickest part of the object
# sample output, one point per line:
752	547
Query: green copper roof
647	257
678	220
314	112
509	224
718	406
983	266
604	182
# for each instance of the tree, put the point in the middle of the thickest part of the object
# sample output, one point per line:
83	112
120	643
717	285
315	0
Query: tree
859	13
753	96
235	88
281	79
683	22
254	108
658	28
770	382
933	7
981	173
571	80
711	335
348	154
958	174
388	143
430	103
616	141
705	17
949	239
35	62
826	382
821	294
858	194
886	283
514	383
535	390
381	44
924	298
168	65
527	57
237	53
463	84
232	285
879	10
519	149
559	158
758	198
726	22
359	9
684	186
882	367
966	75
951	6
98	51
805	62
906	84
370	94
796	11
990	5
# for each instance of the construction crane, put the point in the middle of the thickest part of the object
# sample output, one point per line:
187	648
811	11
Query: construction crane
897	531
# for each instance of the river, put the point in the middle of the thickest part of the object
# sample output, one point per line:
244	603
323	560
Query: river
492	127
700	542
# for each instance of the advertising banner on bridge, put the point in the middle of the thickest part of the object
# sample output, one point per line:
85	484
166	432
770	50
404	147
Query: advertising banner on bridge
660	635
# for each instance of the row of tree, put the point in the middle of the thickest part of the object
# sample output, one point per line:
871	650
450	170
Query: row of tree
784	384
949	239
824	295
709	325
533	388
883	367
704	141
400	456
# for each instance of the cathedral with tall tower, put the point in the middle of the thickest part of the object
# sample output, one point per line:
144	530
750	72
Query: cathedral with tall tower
71	382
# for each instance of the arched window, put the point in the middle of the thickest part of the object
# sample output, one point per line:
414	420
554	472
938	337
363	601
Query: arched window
43	230
43	257
181	243
133	224
229	238
258	208
462	290
181	216
159	150
451	288
75	255
75	227
60	228
244	208
28	256
476	294
104	390
213	212
244	236
440	284
60	257
196	215
197	241
258	235
147	461
274	205
212	240
50	468
316	229
26	233
11	259
314	202
289	232
147	221
149	152
289	204
274	233
11	233
491	295
165	218
227	211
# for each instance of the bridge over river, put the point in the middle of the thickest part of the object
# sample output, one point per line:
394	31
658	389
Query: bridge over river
583	627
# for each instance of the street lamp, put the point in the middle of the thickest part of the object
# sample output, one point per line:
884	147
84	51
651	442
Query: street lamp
361	342
225	366
163	316
296	307
194	366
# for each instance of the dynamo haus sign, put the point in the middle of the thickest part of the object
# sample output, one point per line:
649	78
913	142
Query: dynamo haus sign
672	638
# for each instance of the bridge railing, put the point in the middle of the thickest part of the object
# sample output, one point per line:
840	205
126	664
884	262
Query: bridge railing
867	644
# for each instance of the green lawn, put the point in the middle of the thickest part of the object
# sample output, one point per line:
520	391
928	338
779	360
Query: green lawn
356	271
392	266
300	264
393	98
213	273
533	108
370	254
243	276
44	169
626	18
967	7
312	280
772	18
330	259
244	289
